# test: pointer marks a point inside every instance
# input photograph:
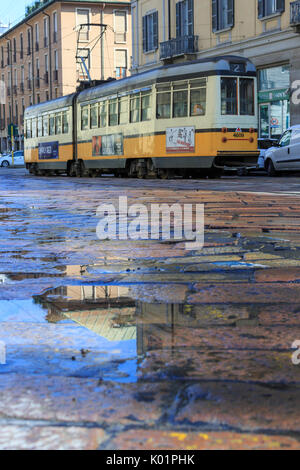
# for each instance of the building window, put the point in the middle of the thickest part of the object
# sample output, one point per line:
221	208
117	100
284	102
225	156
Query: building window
82	20
150	32
21	46
222	14
120	23
83	55
55	27
185	18
270	7
45	32
120	63
37	37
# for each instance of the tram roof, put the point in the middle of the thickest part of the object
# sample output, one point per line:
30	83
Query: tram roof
193	69
53	105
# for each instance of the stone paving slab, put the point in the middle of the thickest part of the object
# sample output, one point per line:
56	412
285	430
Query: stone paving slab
174	440
22	437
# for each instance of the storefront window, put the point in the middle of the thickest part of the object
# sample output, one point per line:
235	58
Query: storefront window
274	101
274	78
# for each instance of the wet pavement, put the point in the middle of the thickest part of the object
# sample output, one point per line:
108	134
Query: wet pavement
143	344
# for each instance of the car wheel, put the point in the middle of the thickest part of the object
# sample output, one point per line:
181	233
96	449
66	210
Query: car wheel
5	164
271	169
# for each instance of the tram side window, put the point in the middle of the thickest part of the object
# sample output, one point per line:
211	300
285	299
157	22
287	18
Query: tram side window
198	98
123	110
65	122
247	96
45	126
52	125
163	99
84	118
180	100
33	128
94	116
40	126
135	105
103	114
28	129
229	96
58	124
146	105
113	112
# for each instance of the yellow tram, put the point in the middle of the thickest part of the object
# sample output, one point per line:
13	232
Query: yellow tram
185	119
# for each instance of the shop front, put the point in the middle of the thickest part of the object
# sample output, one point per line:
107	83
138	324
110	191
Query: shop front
274	101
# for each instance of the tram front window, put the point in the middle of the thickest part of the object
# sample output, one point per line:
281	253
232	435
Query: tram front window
229	95
247	96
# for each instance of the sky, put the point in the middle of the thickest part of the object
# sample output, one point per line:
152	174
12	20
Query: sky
12	11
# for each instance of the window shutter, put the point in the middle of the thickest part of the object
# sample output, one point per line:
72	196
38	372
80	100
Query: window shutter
230	13
155	30
121	58
190	17
215	15
144	34
280	5
261	8
178	19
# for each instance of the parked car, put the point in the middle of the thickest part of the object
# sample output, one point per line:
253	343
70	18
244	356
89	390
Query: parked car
263	146
285	156
6	160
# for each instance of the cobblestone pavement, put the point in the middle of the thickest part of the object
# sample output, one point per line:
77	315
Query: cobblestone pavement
143	344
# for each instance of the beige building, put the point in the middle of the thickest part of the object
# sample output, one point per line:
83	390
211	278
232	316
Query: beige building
48	53
264	31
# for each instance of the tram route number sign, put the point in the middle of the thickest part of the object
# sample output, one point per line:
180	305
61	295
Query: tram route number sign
48	151
180	139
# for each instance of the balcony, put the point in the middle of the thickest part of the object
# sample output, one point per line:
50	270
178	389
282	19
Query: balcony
179	46
295	15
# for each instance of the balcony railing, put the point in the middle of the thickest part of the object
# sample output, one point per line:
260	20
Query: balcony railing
295	13
179	46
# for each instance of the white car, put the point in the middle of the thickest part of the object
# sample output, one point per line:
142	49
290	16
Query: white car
6	160
285	156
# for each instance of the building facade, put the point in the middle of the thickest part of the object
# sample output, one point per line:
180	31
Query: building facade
57	45
264	31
